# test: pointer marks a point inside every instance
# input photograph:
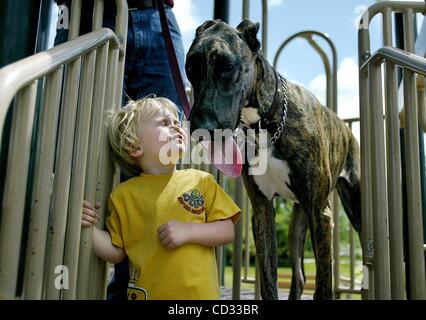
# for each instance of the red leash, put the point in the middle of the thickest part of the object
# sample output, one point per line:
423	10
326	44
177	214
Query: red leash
232	168
173	63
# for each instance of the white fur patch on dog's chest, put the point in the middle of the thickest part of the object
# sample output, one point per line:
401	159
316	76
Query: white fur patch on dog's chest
249	116
276	179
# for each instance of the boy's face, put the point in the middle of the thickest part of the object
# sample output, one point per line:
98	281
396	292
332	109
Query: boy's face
162	137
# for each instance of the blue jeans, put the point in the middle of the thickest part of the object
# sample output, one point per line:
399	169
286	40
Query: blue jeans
146	71
147	67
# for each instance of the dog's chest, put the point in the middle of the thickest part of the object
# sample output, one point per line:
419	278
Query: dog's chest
276	179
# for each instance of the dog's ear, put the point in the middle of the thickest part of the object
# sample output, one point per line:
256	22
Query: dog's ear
205	26
248	32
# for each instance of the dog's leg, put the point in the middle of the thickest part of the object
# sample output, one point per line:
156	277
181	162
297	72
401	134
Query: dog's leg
266	249
263	223
349	186
320	229
350	195
297	236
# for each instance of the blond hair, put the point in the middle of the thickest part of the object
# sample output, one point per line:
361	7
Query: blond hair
123	129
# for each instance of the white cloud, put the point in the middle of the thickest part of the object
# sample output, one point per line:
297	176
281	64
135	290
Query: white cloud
347	82
188	20
274	3
185	16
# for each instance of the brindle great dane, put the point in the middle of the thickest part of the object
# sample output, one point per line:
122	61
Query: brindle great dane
234	85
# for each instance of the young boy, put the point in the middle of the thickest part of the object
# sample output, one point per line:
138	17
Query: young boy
167	222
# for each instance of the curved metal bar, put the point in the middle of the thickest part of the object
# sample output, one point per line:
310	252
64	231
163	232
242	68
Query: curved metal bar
331	103
400	57
20	74
331	89
396	6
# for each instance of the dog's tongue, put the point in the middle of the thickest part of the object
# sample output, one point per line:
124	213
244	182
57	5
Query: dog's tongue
225	156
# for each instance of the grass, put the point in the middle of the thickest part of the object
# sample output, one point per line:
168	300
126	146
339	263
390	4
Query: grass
284	276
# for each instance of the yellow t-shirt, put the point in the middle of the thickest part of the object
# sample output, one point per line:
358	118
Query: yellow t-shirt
140	205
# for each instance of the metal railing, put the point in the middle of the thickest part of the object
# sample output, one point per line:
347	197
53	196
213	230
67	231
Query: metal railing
71	159
381	181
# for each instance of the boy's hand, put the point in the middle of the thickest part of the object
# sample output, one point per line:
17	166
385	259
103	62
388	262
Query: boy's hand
173	234
89	216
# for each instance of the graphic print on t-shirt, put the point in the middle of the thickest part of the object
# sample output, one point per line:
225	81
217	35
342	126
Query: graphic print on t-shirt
193	201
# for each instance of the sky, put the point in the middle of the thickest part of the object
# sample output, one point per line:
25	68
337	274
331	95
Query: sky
299	62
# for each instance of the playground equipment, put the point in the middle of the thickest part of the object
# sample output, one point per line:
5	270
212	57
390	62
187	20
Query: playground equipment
83	77
382	194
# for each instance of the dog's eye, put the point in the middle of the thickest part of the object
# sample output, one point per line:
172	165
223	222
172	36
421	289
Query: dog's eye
195	66
229	67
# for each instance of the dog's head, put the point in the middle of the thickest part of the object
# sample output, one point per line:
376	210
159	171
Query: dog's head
220	67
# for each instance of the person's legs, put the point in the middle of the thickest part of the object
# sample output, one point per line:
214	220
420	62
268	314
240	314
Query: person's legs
150	71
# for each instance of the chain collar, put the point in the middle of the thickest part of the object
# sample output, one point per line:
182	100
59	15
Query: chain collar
280	126
282	86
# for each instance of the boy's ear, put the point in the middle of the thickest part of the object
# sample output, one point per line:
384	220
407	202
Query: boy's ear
137	153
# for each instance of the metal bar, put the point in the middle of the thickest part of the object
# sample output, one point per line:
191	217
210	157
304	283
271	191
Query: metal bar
352	260
220	250
60	193
336	239
237	252
415	236
15	189
265	27
393	160
107	172
219	264
249	280
247	236
421	101
71	253
98	14
399	57
121	23
366	204
43	182
331	89
92	168
378	175
352	256
74	25
328	74
412	157
350	291
221	10
396	6
350	121
246	9
23	72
